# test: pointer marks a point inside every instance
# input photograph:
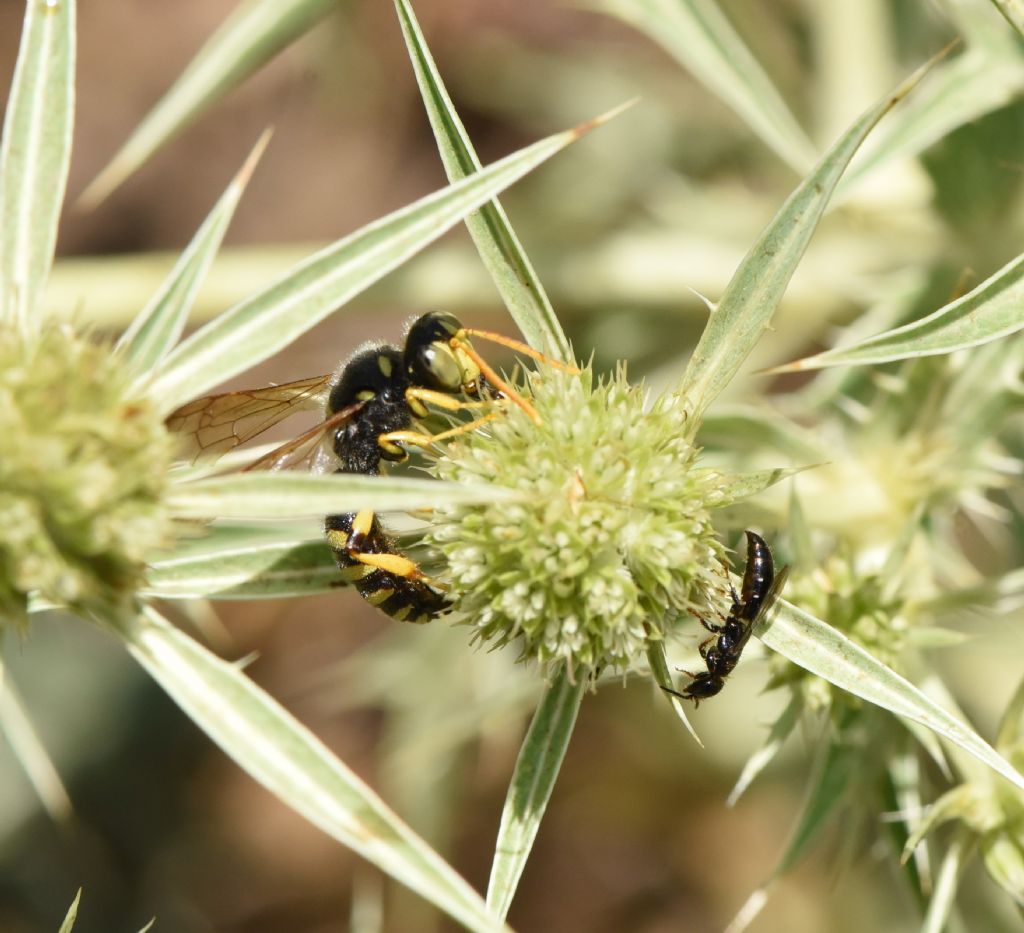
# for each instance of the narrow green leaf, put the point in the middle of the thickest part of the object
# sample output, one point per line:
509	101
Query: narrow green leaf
30	753
1013	13
900	797
35	153
758	284
839	762
496	241
929	741
700	37
744	485
780	731
254	33
955	804
158	326
747	914
256	570
965	89
799	537
992	310
296	495
72	915
658	662
532	782
1004	862
267	322
940	905
732	426
824	651
1009	732
287	759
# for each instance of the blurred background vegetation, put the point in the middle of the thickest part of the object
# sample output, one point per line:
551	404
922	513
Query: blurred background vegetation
625	232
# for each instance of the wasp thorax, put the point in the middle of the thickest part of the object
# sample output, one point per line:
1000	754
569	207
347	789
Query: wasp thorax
611	543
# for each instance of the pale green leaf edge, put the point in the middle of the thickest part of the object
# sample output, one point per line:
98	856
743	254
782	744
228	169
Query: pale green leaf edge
259	570
781	729
533	780
287	759
72	915
739	486
253	34
262	324
295	495
757	286
700	37
657	661
1013	13
159	325
943	899
34	156
992	310
836	764
826	652
959	92
30	752
500	249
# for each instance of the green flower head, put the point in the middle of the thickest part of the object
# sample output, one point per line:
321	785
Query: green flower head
611	543
82	469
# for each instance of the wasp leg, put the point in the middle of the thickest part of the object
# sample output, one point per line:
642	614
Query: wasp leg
391	441
418	397
352	543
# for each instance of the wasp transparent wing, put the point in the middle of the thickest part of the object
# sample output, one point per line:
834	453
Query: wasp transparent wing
218	423
773	594
308	448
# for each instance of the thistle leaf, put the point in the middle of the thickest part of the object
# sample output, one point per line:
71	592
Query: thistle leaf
267	322
990	311
534	777
757	286
35	154
499	247
254	33
296	495
156	329
286	758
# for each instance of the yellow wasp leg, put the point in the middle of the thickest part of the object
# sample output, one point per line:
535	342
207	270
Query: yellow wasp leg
391	563
441	400
421	439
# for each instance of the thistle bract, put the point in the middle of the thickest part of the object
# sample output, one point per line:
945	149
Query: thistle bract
82	469
611	544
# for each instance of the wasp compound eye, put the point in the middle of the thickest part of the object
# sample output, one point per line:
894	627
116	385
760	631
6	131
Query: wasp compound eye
436	367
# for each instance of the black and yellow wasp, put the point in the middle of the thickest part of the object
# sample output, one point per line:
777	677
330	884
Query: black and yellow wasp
372	402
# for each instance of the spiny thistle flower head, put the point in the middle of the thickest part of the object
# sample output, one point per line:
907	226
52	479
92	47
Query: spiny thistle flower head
82	469
611	543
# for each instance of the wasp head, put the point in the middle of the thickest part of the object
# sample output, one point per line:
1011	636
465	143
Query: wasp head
435	358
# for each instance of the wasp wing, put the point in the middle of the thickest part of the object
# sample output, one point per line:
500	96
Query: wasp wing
306	449
773	594
218	423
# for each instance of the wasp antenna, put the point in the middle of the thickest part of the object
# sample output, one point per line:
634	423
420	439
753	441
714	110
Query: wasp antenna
521	347
496	380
